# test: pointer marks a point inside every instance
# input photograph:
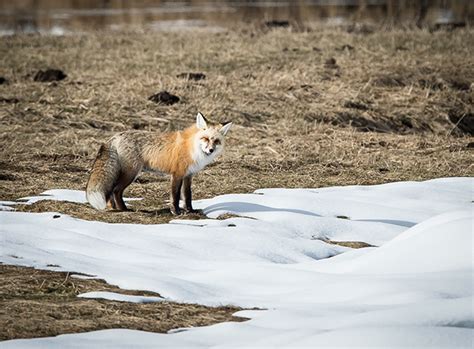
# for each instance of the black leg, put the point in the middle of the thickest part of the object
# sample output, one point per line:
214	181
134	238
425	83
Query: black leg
176	183
187	194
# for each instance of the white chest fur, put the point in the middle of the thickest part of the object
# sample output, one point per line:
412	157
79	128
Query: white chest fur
201	159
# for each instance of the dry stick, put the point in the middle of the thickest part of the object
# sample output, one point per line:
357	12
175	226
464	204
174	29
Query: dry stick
457	123
428	93
42	284
65	280
362	88
272	150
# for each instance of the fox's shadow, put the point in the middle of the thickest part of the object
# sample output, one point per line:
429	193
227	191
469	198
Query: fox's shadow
165	212
245	208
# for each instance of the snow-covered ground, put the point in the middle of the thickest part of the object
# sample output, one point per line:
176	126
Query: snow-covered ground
112	296
415	289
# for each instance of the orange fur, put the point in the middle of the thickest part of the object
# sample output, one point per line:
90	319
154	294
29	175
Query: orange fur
173	154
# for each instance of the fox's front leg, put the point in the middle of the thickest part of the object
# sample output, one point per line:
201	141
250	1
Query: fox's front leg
176	184
186	194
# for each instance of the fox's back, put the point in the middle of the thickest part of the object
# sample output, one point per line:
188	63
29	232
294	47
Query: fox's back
169	152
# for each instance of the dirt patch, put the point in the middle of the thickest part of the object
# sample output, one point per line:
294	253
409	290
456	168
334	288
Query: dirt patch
437	82
371	122
351	244
355	120
49	75
331	63
192	76
389	81
361	123
9	100
6	177
277	24
225	216
40	303
460	84
449	26
164	97
464	122
356	105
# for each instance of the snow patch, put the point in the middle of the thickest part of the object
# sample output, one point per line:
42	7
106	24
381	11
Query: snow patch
77	196
414	290
112	296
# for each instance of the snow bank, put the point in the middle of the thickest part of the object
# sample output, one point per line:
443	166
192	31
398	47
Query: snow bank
76	196
414	290
113	296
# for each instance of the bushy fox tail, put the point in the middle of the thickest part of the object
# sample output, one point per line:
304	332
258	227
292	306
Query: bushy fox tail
104	174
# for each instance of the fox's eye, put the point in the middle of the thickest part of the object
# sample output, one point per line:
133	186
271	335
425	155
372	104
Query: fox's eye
205	139
217	142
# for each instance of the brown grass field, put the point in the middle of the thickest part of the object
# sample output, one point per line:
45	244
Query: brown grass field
311	108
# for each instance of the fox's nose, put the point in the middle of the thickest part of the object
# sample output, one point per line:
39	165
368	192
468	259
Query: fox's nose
211	150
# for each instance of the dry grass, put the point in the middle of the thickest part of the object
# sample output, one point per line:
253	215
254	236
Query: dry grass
378	112
351	244
40	303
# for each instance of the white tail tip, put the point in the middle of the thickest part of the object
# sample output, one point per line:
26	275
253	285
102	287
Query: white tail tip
97	200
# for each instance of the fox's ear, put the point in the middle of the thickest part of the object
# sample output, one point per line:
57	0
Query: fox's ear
201	121
225	128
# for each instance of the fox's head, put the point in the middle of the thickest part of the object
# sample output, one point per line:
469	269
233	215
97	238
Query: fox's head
211	135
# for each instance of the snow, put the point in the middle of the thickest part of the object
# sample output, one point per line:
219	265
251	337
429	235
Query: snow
415	289
77	196
112	296
7	205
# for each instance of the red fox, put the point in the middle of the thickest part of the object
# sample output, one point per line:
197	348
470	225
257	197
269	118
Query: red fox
181	154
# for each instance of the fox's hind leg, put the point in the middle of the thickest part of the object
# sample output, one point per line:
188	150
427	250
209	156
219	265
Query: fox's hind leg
119	203
111	202
117	196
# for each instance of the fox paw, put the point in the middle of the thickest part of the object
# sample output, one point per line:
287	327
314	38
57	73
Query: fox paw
176	212
194	212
